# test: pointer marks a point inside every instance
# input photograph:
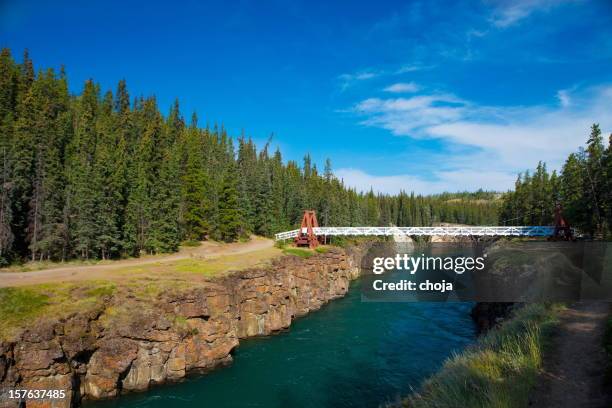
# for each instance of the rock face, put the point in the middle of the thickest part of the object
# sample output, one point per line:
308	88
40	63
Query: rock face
128	344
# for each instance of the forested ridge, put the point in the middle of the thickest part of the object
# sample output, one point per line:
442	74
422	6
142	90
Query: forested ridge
583	187
102	175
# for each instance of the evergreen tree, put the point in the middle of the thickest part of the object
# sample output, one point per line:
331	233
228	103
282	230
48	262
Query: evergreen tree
194	184
230	216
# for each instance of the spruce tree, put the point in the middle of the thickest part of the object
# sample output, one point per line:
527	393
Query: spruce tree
230	214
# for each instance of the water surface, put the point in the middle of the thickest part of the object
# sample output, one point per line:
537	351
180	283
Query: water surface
349	354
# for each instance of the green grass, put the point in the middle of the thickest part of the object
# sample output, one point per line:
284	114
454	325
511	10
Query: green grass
101	291
18	304
499	371
608	348
301	252
21	306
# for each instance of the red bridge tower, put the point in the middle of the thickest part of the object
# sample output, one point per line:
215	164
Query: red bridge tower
306	235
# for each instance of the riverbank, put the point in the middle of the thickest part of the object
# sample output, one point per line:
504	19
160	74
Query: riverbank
500	370
119	338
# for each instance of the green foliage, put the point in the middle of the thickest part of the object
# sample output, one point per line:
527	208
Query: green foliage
230	225
583	188
498	372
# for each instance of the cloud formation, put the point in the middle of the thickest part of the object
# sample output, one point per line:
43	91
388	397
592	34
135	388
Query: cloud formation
511	12
402	87
504	139
440	182
346	80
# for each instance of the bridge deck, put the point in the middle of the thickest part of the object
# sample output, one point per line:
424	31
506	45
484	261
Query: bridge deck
514	231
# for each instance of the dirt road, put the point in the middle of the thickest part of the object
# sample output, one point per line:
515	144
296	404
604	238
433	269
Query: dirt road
574	368
108	271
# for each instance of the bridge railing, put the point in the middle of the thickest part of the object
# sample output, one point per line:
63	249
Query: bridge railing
516	231
286	235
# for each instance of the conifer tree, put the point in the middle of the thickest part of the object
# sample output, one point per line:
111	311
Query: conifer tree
194	184
82	195
230	214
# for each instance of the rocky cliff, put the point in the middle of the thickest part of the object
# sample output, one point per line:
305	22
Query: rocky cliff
127	343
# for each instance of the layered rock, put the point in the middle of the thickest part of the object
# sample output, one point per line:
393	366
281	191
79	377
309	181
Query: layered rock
126	343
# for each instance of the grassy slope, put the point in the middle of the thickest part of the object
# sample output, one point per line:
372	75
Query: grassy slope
499	371
20	305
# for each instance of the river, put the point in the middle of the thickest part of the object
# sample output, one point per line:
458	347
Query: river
349	354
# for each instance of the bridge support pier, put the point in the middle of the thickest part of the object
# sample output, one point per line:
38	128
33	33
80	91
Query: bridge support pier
306	236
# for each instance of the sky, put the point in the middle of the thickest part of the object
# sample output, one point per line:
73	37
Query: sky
425	96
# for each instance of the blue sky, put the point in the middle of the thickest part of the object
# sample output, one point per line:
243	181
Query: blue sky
425	95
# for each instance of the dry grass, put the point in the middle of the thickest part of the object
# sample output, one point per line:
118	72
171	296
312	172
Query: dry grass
206	267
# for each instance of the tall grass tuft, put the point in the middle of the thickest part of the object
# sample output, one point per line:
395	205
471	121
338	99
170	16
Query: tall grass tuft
497	372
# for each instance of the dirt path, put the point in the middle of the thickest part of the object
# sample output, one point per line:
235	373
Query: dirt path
208	250
575	366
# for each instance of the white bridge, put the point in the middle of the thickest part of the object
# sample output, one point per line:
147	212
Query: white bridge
423	231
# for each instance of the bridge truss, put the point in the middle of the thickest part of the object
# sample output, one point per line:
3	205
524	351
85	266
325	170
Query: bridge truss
509	231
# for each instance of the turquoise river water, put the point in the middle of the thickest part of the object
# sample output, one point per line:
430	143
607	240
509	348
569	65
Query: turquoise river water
348	354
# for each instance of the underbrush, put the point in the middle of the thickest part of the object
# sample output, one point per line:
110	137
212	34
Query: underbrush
499	371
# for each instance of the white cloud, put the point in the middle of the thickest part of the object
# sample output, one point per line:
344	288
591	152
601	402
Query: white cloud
511	12
564	98
407	116
402	87
442	181
346	80
503	140
412	68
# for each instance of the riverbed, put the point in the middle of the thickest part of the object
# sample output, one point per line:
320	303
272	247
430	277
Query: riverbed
348	354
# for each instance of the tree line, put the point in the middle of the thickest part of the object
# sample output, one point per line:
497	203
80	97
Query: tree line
104	175
583	187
